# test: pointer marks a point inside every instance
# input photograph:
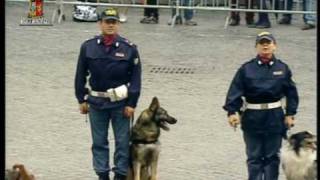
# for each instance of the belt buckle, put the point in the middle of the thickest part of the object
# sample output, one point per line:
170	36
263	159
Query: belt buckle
264	106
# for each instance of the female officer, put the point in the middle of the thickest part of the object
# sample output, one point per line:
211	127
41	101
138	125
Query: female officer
262	82
115	82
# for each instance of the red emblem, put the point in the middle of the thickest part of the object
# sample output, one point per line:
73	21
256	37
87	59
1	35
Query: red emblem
36	8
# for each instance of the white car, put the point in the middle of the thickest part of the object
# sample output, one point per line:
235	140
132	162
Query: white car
85	13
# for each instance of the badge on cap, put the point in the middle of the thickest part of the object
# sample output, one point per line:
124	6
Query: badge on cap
110	12
136	61
264	33
119	54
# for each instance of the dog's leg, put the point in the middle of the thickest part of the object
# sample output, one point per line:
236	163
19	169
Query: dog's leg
154	166
136	170
129	174
145	175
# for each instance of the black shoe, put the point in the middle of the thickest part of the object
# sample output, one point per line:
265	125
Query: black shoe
253	25
177	22
285	21
234	22
145	20
249	21
104	177
190	23
153	20
308	26
260	25
119	177
263	25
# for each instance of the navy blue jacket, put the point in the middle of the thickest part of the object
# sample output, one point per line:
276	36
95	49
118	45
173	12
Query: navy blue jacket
262	83
108	67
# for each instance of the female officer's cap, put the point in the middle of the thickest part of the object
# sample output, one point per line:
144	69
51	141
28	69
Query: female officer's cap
109	13
265	35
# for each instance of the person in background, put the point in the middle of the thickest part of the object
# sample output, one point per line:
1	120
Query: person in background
235	16
263	18
308	19
188	15
151	15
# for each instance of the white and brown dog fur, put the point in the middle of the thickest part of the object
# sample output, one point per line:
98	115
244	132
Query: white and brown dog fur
299	156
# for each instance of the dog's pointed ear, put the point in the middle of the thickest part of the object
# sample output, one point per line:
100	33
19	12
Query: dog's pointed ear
154	104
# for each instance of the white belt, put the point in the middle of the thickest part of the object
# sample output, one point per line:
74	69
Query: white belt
264	105
115	94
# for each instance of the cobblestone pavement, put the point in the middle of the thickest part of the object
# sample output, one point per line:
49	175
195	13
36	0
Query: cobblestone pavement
45	131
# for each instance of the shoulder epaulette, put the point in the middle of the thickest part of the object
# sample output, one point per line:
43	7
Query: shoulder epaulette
248	62
280	61
126	41
94	38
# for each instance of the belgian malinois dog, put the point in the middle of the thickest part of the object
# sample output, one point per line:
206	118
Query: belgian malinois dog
145	145
18	172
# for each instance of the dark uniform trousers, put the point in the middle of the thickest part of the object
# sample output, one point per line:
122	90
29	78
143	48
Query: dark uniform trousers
249	15
263	155
151	12
262	132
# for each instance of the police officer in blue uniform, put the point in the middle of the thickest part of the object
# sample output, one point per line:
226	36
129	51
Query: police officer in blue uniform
258	87
114	67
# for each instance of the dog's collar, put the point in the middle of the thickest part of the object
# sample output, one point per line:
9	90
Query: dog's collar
143	141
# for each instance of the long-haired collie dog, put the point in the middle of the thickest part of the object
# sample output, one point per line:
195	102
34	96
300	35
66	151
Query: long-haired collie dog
299	156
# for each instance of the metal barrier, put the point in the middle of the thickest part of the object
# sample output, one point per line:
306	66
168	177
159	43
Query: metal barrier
272	6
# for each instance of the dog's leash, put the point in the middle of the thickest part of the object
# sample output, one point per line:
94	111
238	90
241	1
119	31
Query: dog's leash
131	124
86	118
288	133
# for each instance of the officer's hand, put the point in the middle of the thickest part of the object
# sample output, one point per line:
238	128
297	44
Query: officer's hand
83	107
128	111
234	120
289	121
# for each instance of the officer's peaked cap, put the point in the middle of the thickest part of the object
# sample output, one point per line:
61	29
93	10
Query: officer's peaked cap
109	13
265	35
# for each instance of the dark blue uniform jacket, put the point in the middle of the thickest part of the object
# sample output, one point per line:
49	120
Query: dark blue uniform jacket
108	67
262	83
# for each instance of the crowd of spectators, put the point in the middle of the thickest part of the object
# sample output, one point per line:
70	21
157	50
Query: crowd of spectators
151	14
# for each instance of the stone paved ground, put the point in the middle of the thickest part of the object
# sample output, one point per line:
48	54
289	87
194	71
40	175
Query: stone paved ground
45	132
